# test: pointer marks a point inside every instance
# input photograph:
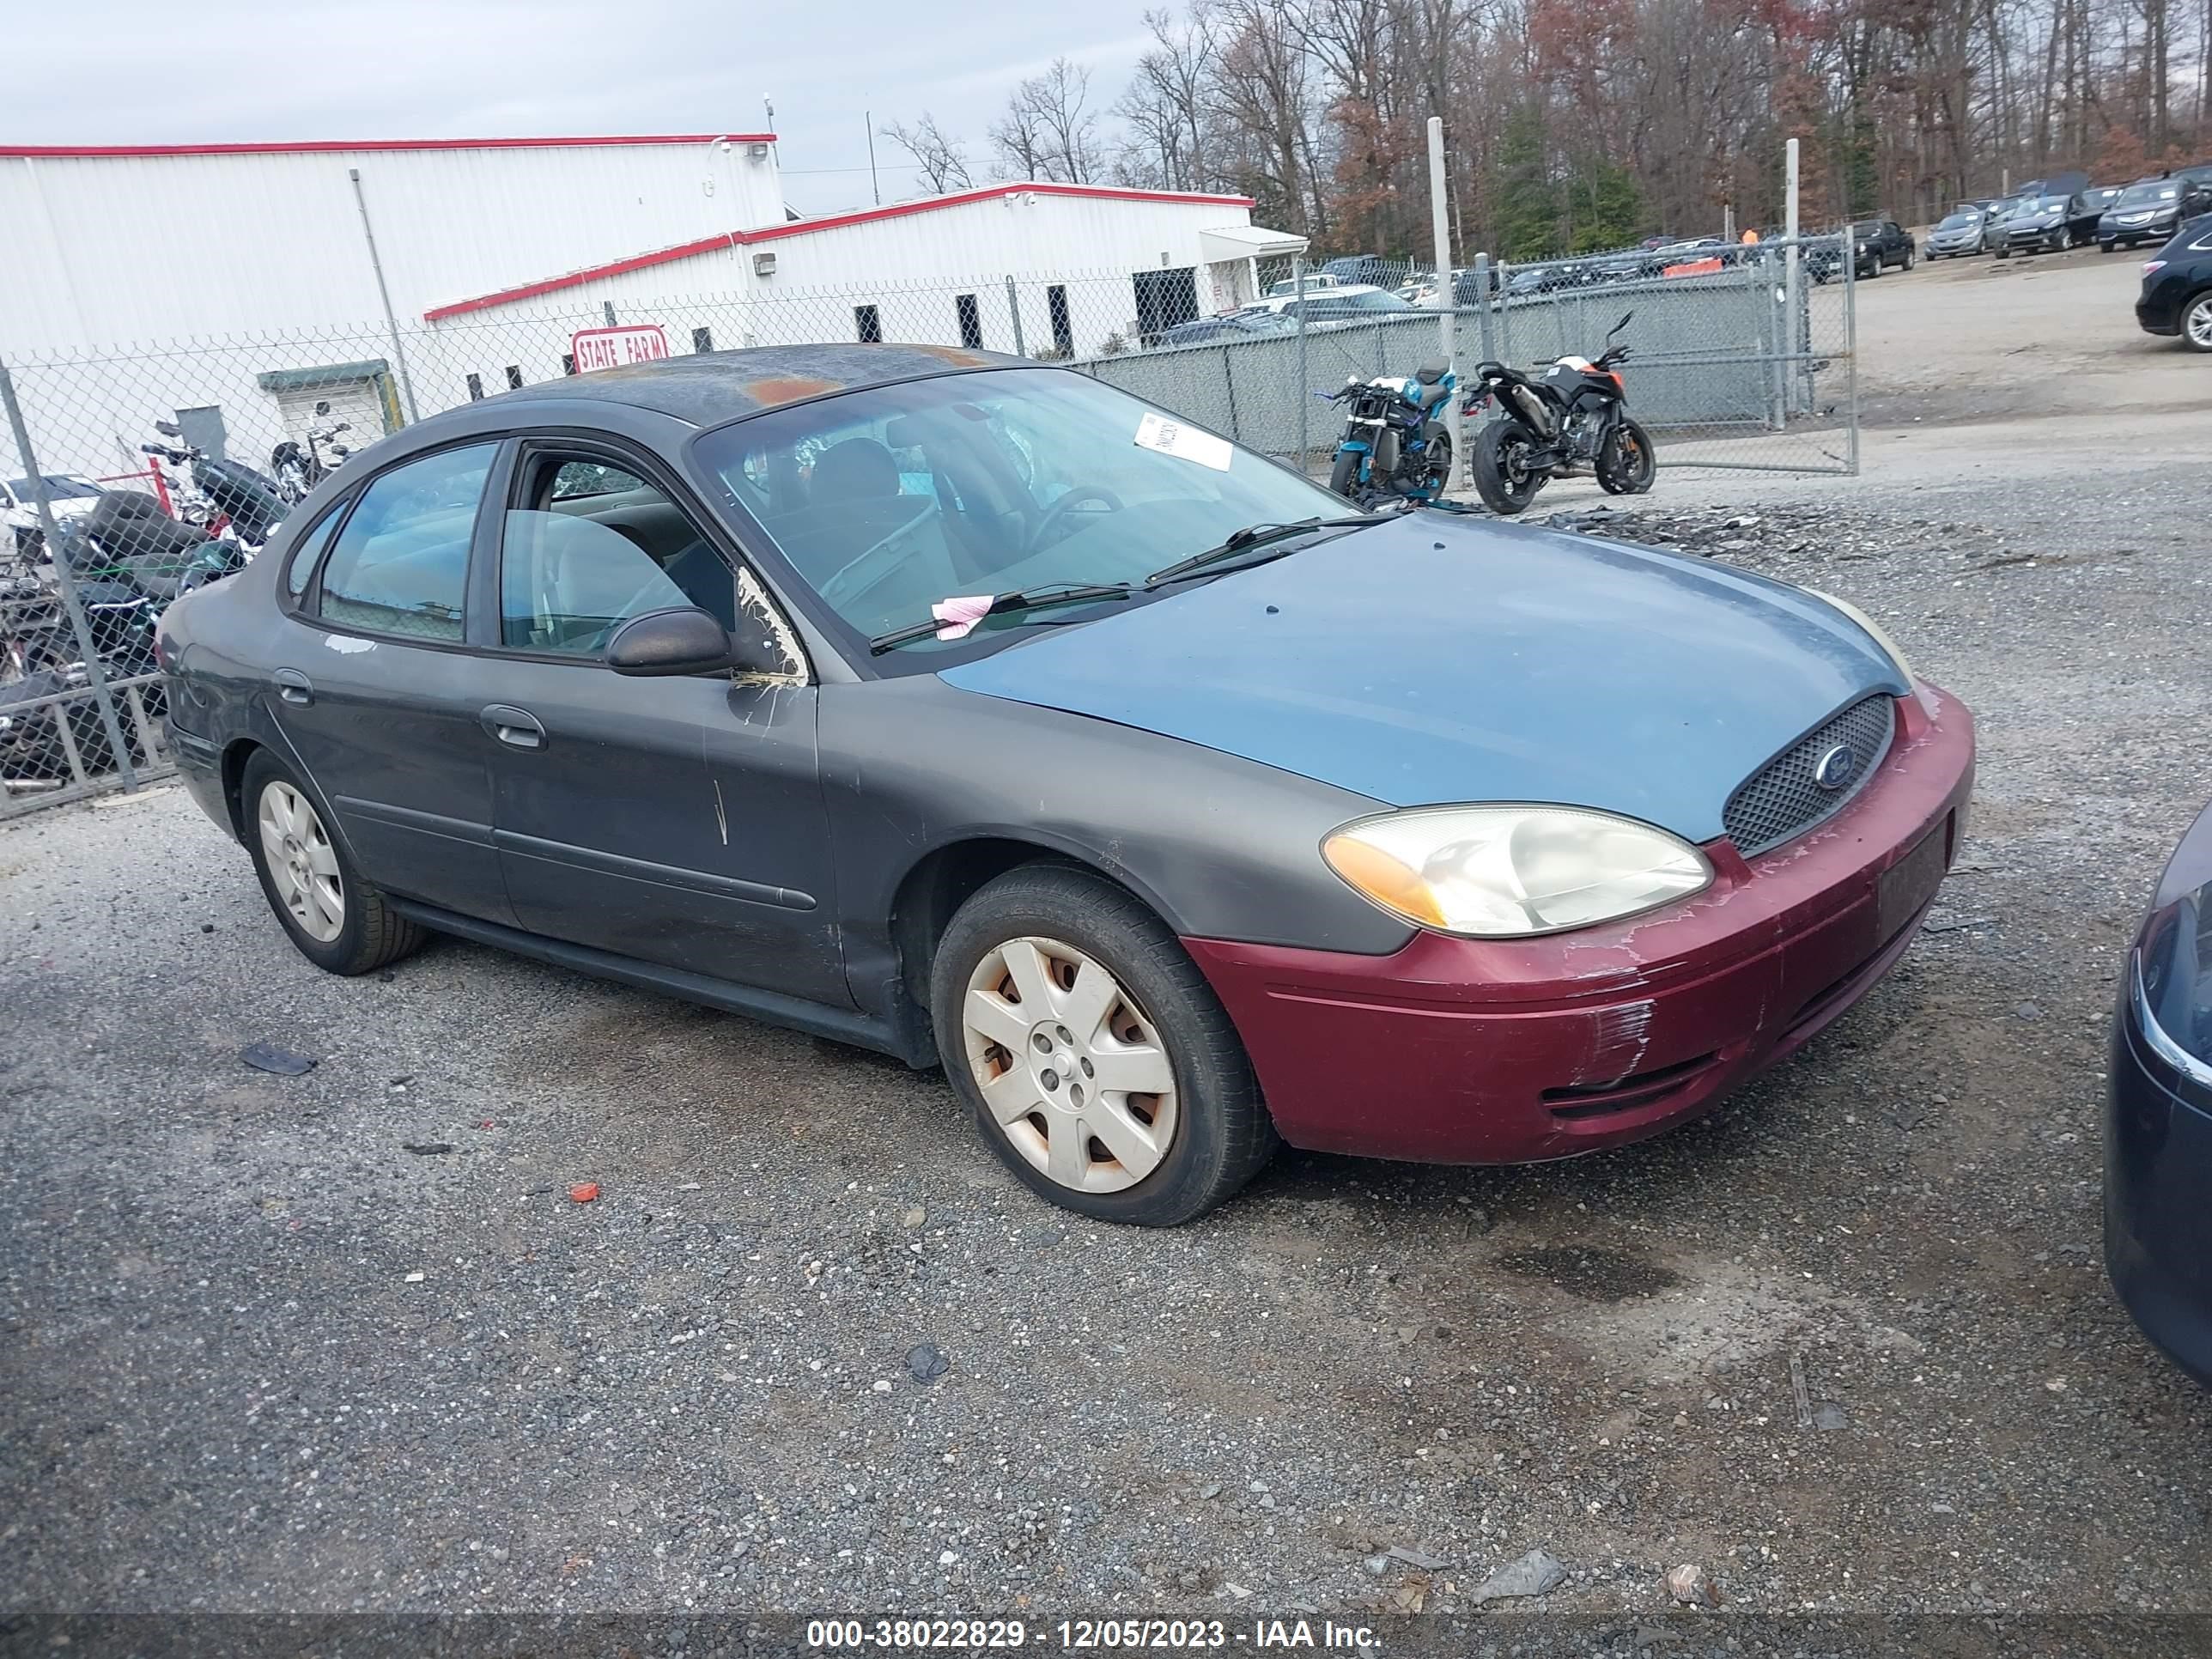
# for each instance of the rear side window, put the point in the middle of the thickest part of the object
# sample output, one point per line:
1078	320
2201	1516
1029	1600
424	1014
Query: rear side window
307	547
401	564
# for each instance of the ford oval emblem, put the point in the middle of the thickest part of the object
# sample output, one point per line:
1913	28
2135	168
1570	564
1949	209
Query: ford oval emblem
1836	768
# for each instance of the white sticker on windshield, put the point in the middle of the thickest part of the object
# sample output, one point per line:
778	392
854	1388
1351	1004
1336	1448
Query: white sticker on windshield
1184	442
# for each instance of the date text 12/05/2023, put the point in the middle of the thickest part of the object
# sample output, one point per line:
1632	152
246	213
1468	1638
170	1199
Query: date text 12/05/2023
1085	1635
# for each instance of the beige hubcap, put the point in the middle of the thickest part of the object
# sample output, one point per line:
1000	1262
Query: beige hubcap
303	865
1071	1071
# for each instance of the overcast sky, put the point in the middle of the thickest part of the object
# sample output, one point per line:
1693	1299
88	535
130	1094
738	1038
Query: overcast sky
124	71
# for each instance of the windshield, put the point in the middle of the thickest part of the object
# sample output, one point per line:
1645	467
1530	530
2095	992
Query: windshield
2045	204
58	488
1960	221
889	501
2145	195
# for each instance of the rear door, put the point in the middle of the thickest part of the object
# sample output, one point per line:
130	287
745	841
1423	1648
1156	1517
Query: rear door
679	820
377	694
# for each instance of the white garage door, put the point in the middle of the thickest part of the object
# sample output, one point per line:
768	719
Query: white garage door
354	401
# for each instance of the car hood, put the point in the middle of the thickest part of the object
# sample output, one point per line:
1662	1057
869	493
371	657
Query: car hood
1439	659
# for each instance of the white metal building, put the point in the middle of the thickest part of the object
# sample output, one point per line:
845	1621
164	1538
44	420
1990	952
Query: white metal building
232	287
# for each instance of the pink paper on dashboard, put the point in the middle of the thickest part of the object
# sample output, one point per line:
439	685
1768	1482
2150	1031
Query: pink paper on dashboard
955	616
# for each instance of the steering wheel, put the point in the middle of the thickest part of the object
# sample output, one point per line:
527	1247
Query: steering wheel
1049	527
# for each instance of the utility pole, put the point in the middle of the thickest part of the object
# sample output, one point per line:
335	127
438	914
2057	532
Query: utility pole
869	116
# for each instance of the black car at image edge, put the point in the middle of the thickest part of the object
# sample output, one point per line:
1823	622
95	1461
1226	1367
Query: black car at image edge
2158	1126
2177	287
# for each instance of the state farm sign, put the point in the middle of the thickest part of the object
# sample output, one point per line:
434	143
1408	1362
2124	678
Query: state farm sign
608	348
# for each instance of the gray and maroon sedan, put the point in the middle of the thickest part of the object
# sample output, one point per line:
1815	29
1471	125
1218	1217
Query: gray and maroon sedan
977	712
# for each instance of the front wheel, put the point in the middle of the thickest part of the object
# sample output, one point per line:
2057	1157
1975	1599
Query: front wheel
1503	476
1099	1064
1626	462
1344	473
2107	247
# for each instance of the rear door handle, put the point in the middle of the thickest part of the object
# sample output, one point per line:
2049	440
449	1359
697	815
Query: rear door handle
294	687
518	728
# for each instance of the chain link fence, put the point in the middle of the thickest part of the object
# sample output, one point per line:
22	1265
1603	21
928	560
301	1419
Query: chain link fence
1741	356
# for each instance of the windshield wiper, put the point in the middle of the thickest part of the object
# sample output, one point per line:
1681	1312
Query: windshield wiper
1256	535
1022	599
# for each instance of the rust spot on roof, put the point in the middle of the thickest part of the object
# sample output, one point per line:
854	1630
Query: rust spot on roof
775	389
959	357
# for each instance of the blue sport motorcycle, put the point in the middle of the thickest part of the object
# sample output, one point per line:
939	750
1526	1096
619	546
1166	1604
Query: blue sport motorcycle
1394	446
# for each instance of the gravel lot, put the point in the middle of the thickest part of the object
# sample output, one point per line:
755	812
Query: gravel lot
343	1341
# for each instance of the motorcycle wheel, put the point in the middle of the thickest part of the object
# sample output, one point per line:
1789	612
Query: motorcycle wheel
1344	474
1626	464
1440	464
1502	475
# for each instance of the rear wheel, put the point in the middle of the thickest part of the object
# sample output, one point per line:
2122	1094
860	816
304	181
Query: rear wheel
1439	452
1344	473
1504	476
1099	1063
1626	463
2107	247
2197	323
1908	258
336	919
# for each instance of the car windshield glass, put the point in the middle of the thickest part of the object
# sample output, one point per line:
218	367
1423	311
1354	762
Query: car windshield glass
58	488
1960	221
2145	195
892	501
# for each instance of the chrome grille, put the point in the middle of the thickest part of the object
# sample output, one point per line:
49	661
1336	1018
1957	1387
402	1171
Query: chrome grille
1781	799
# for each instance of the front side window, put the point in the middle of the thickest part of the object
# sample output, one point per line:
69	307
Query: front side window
587	546
401	563
889	500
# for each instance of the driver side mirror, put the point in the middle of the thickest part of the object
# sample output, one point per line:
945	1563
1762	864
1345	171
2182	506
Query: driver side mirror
681	640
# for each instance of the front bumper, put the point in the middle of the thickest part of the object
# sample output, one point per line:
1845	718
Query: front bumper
2158	1194
1466	1051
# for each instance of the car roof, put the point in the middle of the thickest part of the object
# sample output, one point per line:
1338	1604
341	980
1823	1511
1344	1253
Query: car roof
710	386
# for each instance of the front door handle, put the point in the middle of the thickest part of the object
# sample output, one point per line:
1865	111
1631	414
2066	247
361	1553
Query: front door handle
518	728
294	687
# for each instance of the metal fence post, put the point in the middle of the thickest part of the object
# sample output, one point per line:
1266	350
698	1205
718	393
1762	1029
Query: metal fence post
1848	254
1299	276
1014	311
95	670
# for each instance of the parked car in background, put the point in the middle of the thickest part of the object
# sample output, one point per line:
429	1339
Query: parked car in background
2088	207
1371	269
1958	234
1995	219
1348	304
1287	288
2177	287
1878	244
2038	225
68	497
1251	324
1130	782
2151	210
2158	1123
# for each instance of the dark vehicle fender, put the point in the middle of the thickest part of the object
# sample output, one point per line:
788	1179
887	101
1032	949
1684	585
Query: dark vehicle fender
932	790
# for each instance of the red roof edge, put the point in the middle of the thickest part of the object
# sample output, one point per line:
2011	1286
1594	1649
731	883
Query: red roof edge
804	227
327	146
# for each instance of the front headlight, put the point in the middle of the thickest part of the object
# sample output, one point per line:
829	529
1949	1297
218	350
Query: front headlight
1874	630
1510	871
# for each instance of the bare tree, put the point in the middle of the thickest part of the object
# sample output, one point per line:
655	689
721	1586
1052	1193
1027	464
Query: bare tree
1047	131
942	162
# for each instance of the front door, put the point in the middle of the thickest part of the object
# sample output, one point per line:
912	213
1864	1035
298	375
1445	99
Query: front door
678	821
377	695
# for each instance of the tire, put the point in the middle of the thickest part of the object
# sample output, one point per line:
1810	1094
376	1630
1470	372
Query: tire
1494	473
1626	463
1440	460
1344	473
1909	257
369	934
1051	924
2004	253
2107	247
2197	322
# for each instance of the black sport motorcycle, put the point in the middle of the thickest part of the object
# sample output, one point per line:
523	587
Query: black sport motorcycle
1575	414
249	502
